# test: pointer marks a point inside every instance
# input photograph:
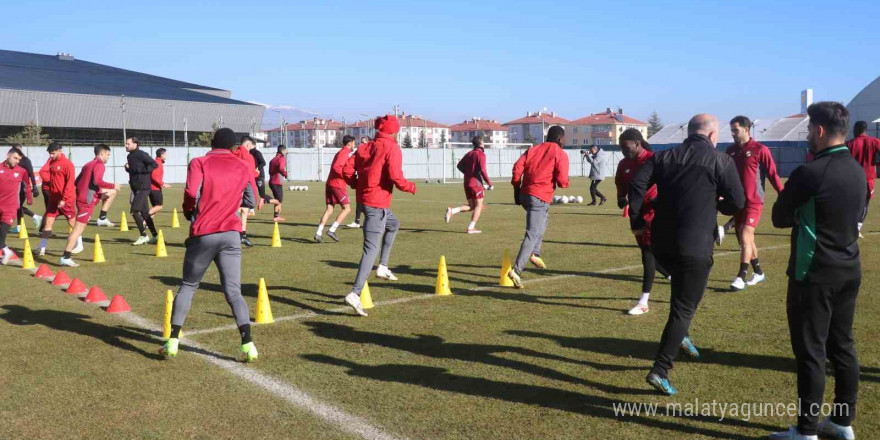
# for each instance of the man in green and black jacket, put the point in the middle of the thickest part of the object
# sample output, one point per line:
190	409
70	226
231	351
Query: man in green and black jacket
822	203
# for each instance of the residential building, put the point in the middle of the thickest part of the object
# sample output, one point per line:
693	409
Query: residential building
435	133
533	127
492	131
317	133
602	128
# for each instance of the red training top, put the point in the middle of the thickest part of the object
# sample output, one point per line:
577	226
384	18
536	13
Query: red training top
277	168
755	164
336	178
379	169
61	179
865	150
44	174
90	181
11	180
242	153
540	170
157	177
473	166
215	184
626	170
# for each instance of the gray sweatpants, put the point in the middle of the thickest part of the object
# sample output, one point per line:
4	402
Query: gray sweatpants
379	224
224	249
537	218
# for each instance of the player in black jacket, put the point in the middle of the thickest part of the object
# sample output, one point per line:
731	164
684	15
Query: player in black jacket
693	182
35	192
140	166
822	202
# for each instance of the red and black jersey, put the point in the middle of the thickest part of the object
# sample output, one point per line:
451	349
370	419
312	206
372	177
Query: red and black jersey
755	165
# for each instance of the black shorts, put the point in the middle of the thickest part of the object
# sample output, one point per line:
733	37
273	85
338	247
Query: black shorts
277	192
139	201
156	197
261	188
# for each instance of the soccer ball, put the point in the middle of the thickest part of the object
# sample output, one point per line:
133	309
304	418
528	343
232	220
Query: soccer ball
580	199
557	199
565	199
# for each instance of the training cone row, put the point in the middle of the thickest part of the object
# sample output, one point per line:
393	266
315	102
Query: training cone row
264	310
117	304
276	237
22	230
175	223
505	280
160	245
442	288
99	251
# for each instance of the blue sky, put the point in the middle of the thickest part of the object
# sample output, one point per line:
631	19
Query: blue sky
451	60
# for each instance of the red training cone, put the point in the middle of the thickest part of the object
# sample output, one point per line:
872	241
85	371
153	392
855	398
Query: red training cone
61	278
43	272
118	305
626	211
14	256
95	295
76	287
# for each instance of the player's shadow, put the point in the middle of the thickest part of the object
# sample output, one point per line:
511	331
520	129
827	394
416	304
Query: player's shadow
79	324
603	214
403	269
590	243
441	379
422	230
545	300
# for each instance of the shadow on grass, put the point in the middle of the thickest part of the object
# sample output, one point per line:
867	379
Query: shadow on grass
589	243
405	269
78	324
547	397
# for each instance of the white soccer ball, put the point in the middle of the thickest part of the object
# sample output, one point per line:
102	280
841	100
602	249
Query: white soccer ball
292	188
580	199
305	188
557	199
565	199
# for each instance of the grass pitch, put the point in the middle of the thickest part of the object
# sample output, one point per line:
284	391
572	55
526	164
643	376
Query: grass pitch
550	361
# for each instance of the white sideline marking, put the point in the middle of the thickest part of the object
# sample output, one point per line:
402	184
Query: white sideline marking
473	289
296	397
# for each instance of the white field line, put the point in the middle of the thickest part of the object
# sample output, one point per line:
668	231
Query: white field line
407	299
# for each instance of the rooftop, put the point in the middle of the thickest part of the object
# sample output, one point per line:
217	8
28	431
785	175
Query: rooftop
608	117
478	124
538	118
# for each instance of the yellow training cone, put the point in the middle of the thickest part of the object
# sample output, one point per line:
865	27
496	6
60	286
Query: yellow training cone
276	237
175	223
27	259
123	224
99	251
505	280
442	288
366	299
69	229
22	230
166	324
264	310
160	245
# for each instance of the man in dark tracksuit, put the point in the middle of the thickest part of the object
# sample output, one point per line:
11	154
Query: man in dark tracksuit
693	181
822	202
260	162
140	168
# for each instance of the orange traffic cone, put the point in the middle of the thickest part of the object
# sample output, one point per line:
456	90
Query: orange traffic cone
43	272
118	305
61	279
95	295
76	287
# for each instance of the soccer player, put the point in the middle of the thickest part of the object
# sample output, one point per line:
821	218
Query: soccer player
754	164
249	201
335	192
473	166
140	167
693	181
822	203
379	169
12	177
277	174
260	163
536	174
637	151
22	196
157	182
866	151
597	159
359	207
90	189
215	185
60	174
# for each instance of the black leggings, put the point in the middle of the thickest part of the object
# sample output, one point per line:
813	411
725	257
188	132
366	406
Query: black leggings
649	266
865	211
594	190
4	229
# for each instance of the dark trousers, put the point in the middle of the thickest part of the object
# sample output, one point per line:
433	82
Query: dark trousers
594	190
649	266
820	320
690	275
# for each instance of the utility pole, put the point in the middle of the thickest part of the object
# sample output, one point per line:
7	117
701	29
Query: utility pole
122	105
396	109
37	111
173	131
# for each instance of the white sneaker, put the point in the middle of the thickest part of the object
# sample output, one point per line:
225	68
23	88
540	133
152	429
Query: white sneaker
639	309
756	279
354	300
42	252
474	231
448	214
38	220
106	223
143	239
738	284
792	434
353	225
831	430
719	235
7	255
384	272
78	248
68	262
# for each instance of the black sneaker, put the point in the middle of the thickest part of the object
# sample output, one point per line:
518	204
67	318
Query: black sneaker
332	235
246	242
318	239
603	202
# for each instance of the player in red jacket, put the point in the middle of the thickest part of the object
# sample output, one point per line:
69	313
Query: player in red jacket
90	189
378	166
12	177
335	192
157	183
866	151
277	174
476	179
637	151
62	192
536	174
755	164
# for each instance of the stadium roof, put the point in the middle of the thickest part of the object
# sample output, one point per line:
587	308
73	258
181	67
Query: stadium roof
63	73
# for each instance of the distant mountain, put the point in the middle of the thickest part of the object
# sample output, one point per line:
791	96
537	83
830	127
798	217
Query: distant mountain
272	118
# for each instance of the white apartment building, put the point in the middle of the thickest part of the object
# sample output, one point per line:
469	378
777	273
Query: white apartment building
414	126
533	127
492	131
315	133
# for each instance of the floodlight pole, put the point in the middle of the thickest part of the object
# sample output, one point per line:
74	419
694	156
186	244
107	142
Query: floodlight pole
37	112
122	105
173	132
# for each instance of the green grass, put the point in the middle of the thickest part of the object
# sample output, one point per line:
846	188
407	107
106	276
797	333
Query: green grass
546	362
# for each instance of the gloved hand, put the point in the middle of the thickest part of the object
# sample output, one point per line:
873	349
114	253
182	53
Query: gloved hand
621	202
35	191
